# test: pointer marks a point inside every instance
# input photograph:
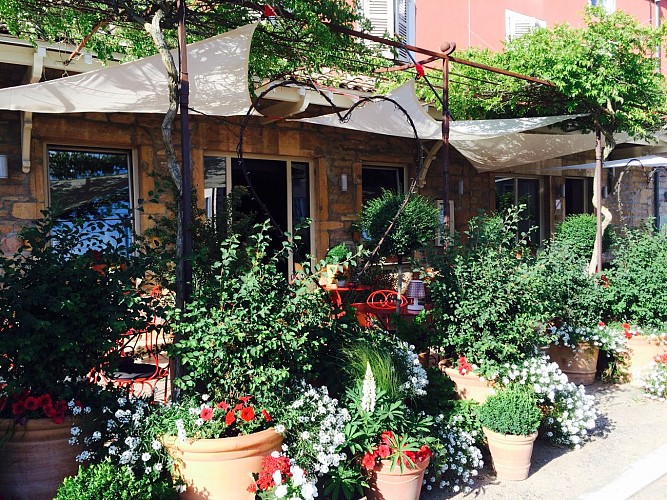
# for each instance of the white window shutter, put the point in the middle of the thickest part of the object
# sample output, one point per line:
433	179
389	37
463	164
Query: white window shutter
381	15
405	25
518	24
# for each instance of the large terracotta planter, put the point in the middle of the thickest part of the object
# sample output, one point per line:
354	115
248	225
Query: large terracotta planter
511	454
221	469
642	350
470	386
36	458
578	364
386	484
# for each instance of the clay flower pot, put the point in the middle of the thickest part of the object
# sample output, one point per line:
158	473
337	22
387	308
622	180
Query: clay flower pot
511	454
36	458
642	350
469	386
580	364
221	468
386	484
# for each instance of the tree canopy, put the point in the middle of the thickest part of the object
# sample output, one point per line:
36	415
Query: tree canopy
286	44
606	70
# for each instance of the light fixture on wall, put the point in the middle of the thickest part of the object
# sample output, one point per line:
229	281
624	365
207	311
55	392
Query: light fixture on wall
562	190
4	170
605	192
460	187
343	182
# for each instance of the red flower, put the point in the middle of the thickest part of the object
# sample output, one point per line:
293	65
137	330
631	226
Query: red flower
601	324
245	399
627	334
238	407
386	436
424	453
222	405
230	418
49	410
58	419
267	417
206	413
625	326
31	403
368	462
384	451
409	456
18	408
248	414
45	400
464	366
252	488
61	406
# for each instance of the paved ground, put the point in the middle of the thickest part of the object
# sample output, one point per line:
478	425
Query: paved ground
628	460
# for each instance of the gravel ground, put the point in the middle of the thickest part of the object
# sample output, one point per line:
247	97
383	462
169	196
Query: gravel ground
631	427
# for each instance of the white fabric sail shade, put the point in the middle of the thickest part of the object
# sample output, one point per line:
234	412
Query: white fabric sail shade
218	69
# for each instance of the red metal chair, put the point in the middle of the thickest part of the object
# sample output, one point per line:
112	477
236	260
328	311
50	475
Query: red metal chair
142	366
381	304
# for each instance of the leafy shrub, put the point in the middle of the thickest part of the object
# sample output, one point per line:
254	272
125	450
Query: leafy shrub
566	290
577	234
511	411
66	297
337	254
249	332
105	481
414	229
637	292
486	297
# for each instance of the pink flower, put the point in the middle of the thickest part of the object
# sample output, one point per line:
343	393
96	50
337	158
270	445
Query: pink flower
383	451
206	413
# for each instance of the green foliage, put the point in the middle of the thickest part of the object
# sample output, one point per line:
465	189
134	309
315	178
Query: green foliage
637	292
414	330
440	398
63	308
414	229
577	234
337	254
485	294
511	411
249	332
278	48
386	370
565	288
605	69
105	481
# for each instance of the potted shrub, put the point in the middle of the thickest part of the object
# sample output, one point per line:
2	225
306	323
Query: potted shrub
245	335
336	266
510	420
414	228
66	298
485	297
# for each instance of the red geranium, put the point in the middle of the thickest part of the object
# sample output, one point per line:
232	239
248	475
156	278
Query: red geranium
368	462
399	449
206	413
464	366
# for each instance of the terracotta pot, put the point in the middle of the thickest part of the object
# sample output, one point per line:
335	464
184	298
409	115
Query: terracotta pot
511	454
221	468
386	484
578	364
642	350
36	458
469	386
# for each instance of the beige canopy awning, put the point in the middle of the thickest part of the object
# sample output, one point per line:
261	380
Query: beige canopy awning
218	69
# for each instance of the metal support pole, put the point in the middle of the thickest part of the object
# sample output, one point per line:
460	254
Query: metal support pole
445	141
598	195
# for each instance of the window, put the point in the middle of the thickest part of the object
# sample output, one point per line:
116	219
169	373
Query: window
515	191
93	186
518	24
282	185
389	17
376	179
608	5
578	196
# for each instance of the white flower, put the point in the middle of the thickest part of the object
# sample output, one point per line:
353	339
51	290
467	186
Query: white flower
368	396
280	491
308	491
145	456
279	428
205	397
75	431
